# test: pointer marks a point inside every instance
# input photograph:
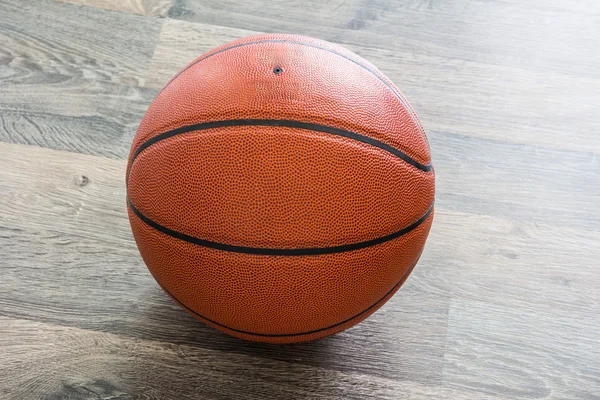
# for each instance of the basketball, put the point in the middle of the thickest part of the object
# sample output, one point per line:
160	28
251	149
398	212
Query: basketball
280	188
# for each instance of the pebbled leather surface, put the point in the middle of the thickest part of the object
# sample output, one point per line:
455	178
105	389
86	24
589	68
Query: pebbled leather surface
277	187
277	295
318	84
280	187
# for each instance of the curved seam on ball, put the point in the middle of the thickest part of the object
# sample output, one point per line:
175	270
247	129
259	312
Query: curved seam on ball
396	286
310	251
391	88
283	123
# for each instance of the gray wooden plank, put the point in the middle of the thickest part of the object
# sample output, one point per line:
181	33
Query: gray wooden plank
81	268
91	117
70	76
142	7
522	354
536	34
180	42
65	40
86	194
507	103
451	95
80	364
533	267
522	182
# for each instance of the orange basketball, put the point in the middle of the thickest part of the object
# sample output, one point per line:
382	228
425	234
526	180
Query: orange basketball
280	188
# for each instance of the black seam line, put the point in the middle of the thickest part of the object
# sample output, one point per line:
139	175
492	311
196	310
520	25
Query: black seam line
398	284
396	93
310	251
283	123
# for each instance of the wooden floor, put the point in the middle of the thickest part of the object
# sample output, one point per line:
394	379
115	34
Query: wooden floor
505	303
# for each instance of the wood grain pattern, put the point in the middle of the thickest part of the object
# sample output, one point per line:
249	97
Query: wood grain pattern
62	40
90	365
180	42
70	79
522	182
522	354
537	35
504	302
505	262
143	7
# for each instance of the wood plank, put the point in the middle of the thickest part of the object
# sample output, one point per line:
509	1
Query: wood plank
539	35
86	194
65	41
450	95
111	290
522	354
180	42
142	7
71	76
516	181
533	267
84	116
496	102
53	362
